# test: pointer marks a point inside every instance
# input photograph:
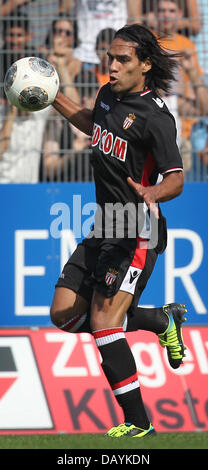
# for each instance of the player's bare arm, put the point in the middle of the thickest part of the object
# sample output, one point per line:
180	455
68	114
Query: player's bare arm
78	116
169	188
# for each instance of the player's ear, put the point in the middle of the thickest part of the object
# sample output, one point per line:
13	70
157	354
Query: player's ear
146	65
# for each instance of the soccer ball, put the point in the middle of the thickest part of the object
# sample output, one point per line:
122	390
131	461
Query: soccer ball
31	84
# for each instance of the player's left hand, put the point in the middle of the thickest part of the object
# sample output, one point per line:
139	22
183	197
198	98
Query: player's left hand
147	193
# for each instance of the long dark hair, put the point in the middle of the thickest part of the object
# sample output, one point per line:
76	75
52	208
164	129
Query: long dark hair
164	63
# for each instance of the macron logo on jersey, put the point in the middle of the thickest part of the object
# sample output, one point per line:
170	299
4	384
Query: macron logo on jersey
108	144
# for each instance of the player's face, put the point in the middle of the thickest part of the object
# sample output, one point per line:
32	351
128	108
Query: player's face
127	73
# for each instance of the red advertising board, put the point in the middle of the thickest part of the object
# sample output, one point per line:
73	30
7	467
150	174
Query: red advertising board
51	381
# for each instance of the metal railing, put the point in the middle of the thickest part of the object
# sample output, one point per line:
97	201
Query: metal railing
63	153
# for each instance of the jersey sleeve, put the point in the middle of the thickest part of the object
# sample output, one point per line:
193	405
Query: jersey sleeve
95	106
99	98
160	141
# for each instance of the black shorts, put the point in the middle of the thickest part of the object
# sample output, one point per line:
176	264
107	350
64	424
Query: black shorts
107	267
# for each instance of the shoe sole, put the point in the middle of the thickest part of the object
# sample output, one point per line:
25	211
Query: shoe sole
149	434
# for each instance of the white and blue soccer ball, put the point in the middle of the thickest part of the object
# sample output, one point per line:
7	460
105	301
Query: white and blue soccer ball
31	83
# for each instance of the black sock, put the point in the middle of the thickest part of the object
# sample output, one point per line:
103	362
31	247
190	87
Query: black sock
120	370
138	318
150	319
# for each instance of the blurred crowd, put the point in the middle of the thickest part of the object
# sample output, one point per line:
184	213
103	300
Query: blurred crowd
74	36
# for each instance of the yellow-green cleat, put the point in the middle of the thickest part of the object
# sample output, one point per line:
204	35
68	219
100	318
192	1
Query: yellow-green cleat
172	338
129	430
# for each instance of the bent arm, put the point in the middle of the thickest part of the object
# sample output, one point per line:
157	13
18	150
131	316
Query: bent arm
169	188
78	116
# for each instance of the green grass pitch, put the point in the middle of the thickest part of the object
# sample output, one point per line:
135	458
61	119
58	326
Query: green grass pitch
195	440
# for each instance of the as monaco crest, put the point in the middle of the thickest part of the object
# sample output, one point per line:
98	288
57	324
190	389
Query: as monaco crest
129	121
110	276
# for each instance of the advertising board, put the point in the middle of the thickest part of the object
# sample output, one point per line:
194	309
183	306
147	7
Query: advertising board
42	224
51	381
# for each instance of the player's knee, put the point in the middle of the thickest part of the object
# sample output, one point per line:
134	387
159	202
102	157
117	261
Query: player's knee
56	316
63	307
67	321
59	318
68	310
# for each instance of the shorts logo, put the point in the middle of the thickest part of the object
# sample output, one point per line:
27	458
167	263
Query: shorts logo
111	276
129	121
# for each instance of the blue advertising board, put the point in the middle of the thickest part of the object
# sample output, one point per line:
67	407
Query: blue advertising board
42	224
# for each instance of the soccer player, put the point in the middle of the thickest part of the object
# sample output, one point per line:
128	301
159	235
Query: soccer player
133	141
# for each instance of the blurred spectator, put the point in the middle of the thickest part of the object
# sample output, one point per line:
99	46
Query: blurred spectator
66	150
199	140
190	23
190	88
41	14
21	133
9	8
199	133
189	98
103	41
93	16
21	136
201	40
17	44
58	139
187	24
59	51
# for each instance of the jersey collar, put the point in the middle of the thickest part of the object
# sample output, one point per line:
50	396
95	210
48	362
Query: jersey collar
143	93
137	93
